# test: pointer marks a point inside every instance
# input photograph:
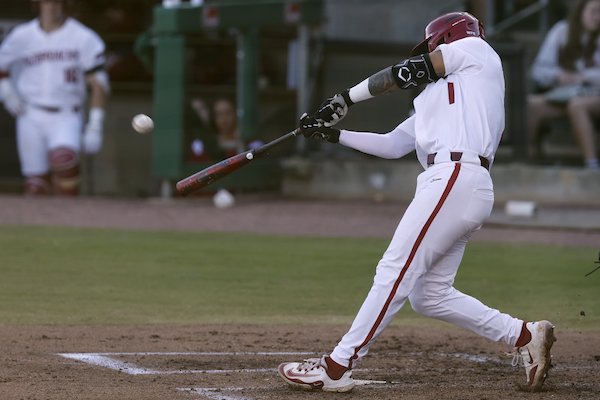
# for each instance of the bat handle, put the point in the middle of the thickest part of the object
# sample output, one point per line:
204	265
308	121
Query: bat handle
262	150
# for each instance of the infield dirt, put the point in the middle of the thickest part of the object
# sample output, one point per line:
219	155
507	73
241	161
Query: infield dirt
432	361
422	363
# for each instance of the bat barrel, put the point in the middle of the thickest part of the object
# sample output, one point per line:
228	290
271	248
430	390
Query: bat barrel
189	184
208	175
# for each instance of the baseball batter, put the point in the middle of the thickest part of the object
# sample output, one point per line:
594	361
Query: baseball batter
46	66
456	129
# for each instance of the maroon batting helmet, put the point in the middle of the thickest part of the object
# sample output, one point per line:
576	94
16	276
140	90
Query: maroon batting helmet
448	28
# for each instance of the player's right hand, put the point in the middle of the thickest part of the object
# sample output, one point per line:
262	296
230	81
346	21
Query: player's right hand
13	103
332	110
312	129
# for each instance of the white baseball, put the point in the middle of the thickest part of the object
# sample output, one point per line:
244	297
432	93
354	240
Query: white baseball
249	156
142	123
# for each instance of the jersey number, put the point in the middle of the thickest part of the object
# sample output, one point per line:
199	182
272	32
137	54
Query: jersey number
71	75
451	92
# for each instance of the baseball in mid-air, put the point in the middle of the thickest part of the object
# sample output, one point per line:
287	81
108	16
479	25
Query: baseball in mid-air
142	123
223	199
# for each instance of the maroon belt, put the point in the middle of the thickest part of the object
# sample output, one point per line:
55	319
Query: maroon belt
456	156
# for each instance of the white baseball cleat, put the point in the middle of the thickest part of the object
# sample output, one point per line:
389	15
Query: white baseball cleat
312	374
535	355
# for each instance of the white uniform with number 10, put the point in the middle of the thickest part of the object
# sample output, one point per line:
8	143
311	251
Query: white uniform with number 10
48	71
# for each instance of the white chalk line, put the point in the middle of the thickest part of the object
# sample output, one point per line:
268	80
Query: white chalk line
110	363
106	360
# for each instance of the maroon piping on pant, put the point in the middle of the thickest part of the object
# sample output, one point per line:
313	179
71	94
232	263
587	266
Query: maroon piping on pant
415	247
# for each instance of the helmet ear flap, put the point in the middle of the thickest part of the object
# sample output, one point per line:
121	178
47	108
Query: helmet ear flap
441	40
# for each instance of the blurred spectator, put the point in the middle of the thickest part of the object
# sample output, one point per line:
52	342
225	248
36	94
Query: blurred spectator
566	73
221	137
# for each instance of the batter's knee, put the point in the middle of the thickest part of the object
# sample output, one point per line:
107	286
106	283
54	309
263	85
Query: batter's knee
64	163
424	303
38	185
418	302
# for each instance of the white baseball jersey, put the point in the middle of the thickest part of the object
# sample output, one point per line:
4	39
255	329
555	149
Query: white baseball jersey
461	112
48	68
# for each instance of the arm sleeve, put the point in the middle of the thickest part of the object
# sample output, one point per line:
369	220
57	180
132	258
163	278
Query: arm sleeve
545	68
394	144
94	57
8	51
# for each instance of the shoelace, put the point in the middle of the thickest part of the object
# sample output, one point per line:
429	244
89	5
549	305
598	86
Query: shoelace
517	358
519	355
310	364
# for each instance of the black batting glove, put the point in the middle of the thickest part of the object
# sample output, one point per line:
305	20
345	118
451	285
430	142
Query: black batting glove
334	109
312	129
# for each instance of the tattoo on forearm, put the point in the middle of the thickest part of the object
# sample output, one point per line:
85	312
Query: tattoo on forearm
382	82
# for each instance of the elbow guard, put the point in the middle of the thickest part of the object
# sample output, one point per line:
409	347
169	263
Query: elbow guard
414	71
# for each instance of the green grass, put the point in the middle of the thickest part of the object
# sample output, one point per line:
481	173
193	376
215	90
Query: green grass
92	276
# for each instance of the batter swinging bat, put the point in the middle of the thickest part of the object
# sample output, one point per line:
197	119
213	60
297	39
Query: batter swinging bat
227	166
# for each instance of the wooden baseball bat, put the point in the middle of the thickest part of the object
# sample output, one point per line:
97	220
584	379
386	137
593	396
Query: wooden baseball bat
223	168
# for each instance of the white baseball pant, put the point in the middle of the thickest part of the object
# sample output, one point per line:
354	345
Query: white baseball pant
451	202
39	131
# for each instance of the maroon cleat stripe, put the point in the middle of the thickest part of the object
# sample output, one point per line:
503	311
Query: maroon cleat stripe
532	375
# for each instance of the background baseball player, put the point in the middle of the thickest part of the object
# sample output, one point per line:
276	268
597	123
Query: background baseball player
46	66
455	131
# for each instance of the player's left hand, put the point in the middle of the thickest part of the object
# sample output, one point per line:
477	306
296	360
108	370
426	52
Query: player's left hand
312	129
92	134
333	110
13	103
92	139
